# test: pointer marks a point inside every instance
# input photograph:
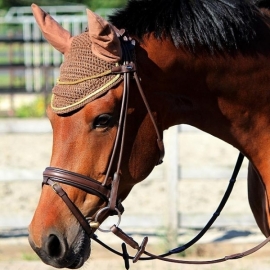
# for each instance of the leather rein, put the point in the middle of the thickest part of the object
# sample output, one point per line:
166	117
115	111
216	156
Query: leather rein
108	190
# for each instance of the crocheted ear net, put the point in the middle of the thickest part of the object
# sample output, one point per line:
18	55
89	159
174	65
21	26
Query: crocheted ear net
77	72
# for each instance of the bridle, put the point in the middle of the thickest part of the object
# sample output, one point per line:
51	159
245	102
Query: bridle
108	190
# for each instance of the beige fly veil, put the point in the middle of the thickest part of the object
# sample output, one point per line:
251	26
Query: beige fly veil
89	58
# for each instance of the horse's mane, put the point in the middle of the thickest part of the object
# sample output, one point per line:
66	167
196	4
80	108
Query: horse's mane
212	24
262	3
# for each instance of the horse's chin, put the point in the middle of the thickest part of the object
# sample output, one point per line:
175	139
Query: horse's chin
76	254
80	251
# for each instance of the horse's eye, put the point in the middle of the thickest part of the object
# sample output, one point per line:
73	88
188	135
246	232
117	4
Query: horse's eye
103	121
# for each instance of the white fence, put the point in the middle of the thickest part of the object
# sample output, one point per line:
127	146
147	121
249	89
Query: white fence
172	196
41	62
37	53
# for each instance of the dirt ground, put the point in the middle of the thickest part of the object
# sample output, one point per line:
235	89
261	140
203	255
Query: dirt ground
15	254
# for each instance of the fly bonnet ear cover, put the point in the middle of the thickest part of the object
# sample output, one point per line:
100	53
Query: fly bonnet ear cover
88	59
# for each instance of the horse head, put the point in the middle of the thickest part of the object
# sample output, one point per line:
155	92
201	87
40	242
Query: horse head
208	68
86	114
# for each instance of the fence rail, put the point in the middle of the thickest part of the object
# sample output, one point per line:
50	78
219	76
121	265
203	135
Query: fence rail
187	198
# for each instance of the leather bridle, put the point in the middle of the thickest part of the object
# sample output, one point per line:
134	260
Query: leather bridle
108	190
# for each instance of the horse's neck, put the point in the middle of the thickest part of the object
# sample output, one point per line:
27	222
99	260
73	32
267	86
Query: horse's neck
224	96
165	76
177	82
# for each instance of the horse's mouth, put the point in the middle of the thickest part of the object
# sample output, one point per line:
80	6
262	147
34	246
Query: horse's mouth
78	263
80	251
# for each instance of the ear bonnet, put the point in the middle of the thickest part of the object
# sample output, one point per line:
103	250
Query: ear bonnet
89	58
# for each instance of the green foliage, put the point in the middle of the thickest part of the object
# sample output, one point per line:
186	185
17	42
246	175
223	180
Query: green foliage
19	3
35	108
93	4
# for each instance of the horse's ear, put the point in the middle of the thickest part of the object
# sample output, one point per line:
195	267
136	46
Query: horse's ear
105	43
55	34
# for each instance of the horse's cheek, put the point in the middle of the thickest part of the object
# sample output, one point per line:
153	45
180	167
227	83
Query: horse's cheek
141	159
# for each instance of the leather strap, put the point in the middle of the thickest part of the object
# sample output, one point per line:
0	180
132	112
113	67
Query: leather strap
127	239
159	135
77	180
226	258
113	198
73	208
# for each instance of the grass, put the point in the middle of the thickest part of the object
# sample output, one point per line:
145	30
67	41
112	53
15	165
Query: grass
30	256
35	108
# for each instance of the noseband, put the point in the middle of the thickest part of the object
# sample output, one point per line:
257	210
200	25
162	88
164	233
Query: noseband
108	190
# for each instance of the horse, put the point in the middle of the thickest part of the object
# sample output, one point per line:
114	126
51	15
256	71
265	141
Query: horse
202	63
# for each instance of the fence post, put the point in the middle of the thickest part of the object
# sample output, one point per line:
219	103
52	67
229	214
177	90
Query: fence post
171	175
28	56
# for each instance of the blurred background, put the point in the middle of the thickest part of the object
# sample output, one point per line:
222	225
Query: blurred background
28	65
170	206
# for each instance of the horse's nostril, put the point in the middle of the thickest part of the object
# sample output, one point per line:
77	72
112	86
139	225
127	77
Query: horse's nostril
54	247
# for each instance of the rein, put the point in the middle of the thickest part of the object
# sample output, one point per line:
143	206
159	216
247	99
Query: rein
108	190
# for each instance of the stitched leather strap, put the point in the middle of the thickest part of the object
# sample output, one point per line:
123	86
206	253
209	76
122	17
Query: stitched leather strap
87	184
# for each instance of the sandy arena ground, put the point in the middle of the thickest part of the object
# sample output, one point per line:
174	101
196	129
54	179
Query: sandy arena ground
24	156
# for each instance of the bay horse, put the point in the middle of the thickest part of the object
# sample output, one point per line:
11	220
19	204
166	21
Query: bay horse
204	63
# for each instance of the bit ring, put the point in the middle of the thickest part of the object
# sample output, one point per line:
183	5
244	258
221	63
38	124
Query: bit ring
102	210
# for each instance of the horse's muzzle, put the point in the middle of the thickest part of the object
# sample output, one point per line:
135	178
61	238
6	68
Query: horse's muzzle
57	252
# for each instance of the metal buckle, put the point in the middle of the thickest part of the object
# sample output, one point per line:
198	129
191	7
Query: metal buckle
53	187
93	224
